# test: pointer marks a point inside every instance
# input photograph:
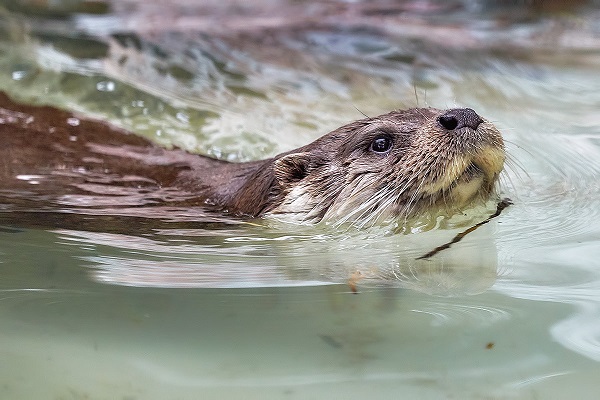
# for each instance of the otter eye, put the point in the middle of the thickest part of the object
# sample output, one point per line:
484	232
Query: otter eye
381	144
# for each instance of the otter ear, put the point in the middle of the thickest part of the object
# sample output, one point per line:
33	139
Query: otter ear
292	167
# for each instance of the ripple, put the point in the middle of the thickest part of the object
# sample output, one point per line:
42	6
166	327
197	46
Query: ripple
580	330
559	199
444	313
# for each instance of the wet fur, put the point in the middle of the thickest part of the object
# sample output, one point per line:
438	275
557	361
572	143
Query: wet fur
336	177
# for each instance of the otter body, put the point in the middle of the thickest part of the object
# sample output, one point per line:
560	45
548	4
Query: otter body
370	170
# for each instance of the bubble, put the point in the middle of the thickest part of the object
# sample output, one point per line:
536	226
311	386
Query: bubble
105	86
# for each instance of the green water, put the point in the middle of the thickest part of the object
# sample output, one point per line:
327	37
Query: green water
224	309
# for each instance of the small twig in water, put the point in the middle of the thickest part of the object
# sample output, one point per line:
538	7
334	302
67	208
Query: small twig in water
501	206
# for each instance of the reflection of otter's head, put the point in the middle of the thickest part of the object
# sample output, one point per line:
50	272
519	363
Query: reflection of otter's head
391	166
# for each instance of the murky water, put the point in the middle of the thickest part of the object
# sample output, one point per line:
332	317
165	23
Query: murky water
198	306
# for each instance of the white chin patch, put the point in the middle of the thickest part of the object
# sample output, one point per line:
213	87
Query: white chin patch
465	191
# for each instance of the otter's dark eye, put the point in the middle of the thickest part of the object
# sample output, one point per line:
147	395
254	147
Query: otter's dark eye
381	144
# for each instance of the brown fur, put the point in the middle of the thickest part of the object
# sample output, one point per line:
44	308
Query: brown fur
335	175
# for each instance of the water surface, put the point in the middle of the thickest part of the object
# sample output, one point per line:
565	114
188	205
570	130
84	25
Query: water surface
192	305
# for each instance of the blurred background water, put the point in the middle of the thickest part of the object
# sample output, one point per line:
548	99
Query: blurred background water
198	306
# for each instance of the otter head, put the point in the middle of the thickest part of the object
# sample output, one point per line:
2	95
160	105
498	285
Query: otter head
391	166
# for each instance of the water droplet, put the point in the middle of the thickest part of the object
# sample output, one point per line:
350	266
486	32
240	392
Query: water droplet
73	121
19	75
105	86
183	117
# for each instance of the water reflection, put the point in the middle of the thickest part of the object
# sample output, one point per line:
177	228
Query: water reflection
255	256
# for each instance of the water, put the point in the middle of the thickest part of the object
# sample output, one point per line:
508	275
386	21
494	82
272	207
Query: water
185	305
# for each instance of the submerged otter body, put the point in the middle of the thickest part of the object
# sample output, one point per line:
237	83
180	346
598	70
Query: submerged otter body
370	170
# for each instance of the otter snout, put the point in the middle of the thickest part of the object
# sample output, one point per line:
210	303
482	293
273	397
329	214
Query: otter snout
458	118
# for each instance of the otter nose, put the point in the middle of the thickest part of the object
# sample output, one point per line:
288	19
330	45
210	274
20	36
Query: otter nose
459	118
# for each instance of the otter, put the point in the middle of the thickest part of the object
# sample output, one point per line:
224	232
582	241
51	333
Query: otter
371	170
